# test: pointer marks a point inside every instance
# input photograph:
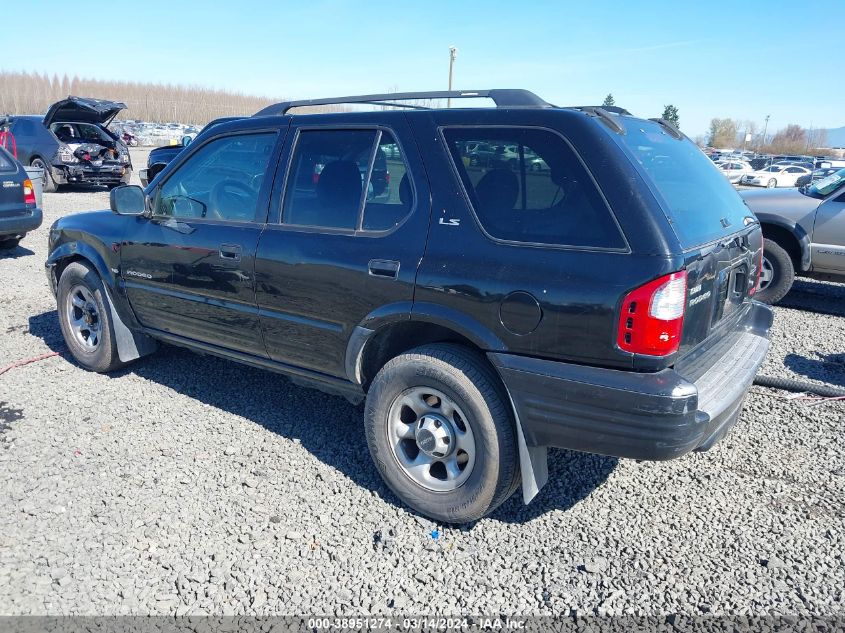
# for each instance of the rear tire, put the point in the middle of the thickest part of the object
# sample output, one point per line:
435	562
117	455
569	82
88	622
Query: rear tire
778	273
49	185
452	392
9	244
85	318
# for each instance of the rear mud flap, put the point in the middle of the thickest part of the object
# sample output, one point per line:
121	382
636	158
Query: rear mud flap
533	462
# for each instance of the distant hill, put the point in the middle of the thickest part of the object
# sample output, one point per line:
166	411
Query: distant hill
836	137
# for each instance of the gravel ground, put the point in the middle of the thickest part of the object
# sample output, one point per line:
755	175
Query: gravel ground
188	484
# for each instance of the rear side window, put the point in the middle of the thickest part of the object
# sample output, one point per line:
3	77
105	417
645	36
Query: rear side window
527	185
390	195
6	163
347	179
699	202
21	127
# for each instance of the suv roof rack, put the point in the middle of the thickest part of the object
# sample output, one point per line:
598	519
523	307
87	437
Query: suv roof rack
502	97
604	113
611	109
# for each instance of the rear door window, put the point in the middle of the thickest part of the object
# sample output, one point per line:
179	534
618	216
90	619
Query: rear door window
390	194
347	179
699	202
527	185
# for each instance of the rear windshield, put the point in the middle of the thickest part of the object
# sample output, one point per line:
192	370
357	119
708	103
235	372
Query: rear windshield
699	201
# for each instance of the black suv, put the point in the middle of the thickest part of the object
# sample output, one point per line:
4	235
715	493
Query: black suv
73	144
485	312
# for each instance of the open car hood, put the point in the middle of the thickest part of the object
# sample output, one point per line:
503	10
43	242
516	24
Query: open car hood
80	109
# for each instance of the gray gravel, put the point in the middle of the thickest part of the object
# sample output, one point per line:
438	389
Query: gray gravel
187	484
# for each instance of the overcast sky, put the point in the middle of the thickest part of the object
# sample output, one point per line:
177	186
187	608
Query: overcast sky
742	59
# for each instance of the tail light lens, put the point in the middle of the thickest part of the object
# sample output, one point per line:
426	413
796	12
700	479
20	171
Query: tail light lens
28	193
652	316
753	291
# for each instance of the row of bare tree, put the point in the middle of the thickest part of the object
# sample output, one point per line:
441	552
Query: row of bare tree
793	139
32	93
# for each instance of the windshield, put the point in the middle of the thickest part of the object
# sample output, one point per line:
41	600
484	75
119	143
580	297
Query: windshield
698	201
827	185
774	168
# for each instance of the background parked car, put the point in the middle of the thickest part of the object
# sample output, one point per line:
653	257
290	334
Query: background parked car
73	144
160	157
804	232
776	176
817	174
797	163
19	212
734	170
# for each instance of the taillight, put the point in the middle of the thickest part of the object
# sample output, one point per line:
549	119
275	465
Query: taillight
653	316
753	291
28	193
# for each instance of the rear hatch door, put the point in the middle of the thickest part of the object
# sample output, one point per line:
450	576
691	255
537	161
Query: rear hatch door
721	278
80	109
719	236
11	186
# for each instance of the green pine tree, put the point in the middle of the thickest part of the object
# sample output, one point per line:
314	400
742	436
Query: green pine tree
670	113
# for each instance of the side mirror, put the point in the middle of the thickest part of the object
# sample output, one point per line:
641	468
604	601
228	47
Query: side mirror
128	200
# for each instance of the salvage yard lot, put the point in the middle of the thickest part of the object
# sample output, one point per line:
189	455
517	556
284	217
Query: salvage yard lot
189	484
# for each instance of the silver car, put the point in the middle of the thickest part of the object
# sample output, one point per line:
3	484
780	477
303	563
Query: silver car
734	170
804	233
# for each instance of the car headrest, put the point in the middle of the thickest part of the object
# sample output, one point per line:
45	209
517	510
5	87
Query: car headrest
497	190
340	185
406	194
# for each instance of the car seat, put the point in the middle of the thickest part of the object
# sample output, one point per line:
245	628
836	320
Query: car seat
497	193
338	196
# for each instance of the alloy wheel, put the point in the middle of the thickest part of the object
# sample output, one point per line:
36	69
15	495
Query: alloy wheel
83	317
431	439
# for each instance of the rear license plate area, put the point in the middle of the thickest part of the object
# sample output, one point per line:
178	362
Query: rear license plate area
732	287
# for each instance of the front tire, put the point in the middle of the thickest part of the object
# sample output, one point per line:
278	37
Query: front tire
778	273
85	318
49	185
441	433
771	184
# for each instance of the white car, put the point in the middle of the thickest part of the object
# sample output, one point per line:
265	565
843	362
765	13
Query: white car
735	170
775	176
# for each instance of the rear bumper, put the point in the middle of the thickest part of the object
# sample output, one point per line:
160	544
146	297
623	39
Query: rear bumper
652	416
18	224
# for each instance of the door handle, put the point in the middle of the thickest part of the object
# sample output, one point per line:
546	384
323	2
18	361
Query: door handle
383	268
230	252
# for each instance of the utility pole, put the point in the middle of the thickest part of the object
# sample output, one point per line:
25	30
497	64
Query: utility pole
453	53
765	129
